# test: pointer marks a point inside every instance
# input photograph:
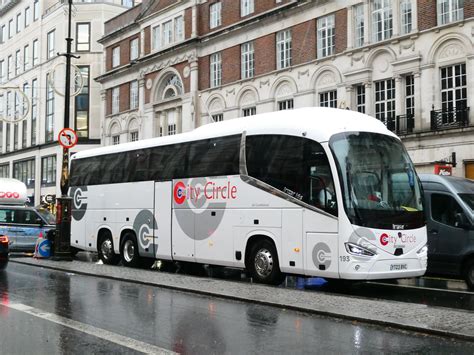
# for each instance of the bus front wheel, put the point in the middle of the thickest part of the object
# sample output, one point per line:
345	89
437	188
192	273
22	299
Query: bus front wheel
106	250
129	251
263	263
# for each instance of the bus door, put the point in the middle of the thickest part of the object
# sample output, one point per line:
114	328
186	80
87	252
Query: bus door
321	244
162	213
182	223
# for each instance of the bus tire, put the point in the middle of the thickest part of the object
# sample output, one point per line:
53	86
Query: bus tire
105	249
129	250
263	263
469	273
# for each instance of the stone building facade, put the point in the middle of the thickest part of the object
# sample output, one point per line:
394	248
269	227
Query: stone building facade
174	65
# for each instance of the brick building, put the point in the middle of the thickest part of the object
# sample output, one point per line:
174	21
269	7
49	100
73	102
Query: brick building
32	32
174	65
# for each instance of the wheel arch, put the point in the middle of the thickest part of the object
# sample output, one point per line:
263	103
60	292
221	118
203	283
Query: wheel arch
122	235
100	233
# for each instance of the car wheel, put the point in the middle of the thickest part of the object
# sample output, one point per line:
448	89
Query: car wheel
263	263
469	274
129	251
106	250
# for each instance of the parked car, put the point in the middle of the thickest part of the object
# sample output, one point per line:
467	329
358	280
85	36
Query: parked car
22	224
3	251
449	206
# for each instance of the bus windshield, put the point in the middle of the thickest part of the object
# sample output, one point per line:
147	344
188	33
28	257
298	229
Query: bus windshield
379	185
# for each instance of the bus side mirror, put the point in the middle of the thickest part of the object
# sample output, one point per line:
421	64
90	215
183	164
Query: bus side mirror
461	221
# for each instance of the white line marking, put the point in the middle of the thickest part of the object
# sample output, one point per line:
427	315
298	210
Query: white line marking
91	330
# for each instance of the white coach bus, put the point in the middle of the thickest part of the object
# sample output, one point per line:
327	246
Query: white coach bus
313	191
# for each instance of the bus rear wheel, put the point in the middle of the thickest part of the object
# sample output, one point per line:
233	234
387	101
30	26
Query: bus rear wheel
105	250
263	263
129	251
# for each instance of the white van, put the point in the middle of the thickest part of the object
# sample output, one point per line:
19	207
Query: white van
22	224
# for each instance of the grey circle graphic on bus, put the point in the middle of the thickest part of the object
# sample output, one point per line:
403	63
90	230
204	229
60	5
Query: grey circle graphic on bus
79	202
143	225
363	237
192	196
322	255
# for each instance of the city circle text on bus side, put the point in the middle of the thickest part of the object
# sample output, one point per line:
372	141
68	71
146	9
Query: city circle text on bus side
211	191
9	194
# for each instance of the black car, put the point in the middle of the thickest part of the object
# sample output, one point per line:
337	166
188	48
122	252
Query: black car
3	251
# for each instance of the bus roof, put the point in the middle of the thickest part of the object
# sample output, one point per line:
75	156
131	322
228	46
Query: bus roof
317	123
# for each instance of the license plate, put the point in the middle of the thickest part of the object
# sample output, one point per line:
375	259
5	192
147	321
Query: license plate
398	267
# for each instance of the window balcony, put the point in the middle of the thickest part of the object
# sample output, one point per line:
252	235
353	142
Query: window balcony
453	118
401	124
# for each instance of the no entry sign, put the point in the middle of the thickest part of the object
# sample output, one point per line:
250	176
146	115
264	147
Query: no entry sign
67	138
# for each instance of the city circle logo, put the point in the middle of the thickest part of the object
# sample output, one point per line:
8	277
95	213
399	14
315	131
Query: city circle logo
322	255
79	202
179	193
384	239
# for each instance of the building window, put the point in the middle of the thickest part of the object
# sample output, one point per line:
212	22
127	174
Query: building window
359	25
450	11
360	98
9	67
216	70
116	139
15	134
128	3
36	10
82	105
83	37
34	109
285	104
134	136
115	56
5	170
3	34
171	115
326	36
283	48
134	49
133	95
247	57
50	44
17	62
115	100
409	95
25	172
385	100
26	58
156	37
215	15
219	117
49	125
35	53
10	28
27	16
246	7
382	22
453	88
2	72
406	16
48	171
178	29
167	33
249	111
328	99
18	23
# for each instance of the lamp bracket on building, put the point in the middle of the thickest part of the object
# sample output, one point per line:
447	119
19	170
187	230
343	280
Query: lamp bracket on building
451	160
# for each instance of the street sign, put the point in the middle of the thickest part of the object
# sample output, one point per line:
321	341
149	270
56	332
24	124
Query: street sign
67	138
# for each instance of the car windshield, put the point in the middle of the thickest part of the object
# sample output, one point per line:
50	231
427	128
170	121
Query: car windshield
469	200
47	216
378	181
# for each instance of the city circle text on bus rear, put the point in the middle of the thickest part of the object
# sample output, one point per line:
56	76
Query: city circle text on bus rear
210	191
8	194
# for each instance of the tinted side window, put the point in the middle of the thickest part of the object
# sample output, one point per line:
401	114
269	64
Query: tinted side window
6	215
214	157
297	166
444	209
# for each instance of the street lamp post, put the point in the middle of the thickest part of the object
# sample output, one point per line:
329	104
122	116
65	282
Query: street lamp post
62	247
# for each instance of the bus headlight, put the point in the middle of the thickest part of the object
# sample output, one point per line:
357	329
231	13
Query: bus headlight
358	250
423	250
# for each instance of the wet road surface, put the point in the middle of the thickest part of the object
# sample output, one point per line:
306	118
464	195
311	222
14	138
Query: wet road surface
50	312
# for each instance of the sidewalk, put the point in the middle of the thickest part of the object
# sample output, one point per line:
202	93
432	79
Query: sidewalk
410	316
